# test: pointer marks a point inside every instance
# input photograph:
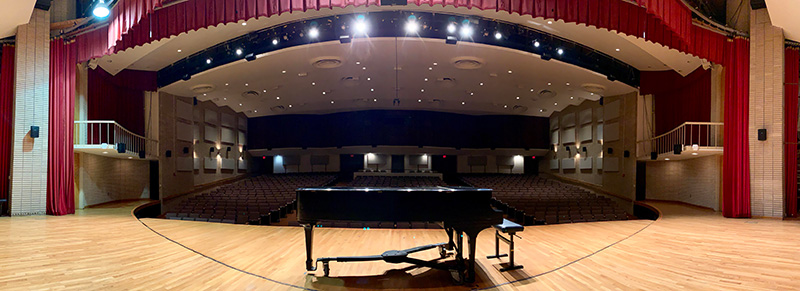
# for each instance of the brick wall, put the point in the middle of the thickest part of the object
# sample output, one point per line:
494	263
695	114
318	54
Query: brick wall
766	111
104	179
694	181
31	107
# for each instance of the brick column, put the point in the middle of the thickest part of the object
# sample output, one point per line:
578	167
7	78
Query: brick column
31	107
766	111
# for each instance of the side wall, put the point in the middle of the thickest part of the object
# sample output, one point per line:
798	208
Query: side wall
105	179
693	181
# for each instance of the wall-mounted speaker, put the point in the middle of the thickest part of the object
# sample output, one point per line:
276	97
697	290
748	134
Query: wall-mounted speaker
610	151
34	131
141	154
653	156
601	100
185	150
626	154
762	134
121	148
194	100
168	153
676	149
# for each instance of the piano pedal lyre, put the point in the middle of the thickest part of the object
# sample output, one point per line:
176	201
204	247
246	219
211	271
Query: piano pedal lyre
326	268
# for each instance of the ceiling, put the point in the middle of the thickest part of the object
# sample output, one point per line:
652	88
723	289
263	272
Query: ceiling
13	14
784	14
286	82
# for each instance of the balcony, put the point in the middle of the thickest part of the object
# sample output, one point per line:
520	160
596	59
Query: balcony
694	139
108	138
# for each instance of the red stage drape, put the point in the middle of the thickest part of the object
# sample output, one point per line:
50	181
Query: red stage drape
736	157
667	22
119	98
678	99
6	105
791	80
60	183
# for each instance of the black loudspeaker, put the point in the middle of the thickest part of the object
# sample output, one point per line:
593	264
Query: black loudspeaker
626	154
244	148
677	149
762	134
250	57
185	150
121	148
653	156
186	77
194	100
601	100
141	154
584	149
34	131
610	151
758	4
168	153
394	2
228	149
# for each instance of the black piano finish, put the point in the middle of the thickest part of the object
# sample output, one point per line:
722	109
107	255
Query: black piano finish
459	209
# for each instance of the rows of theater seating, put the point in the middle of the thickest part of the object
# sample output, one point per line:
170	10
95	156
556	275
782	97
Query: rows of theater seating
530	200
257	200
402	181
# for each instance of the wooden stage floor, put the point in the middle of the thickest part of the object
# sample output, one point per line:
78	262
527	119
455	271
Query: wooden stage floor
108	249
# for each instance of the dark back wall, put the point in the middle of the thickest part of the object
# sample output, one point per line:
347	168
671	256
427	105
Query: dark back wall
399	127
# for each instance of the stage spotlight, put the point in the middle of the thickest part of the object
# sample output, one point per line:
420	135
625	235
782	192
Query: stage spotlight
275	41
313	32
208	61
451	28
536	43
498	35
101	10
360	26
560	51
411	25
466	31
238	52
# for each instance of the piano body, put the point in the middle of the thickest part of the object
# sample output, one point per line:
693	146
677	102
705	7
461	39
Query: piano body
460	210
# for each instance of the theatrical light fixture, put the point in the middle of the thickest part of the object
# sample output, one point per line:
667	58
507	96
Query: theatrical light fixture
466	31
244	23
100	10
360	26
238	52
498	35
208	61
274	41
411	25
536	43
313	32
451	28
560	51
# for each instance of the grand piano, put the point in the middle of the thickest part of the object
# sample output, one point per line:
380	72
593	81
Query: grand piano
459	210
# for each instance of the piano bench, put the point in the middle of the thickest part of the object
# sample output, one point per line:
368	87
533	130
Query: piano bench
511	228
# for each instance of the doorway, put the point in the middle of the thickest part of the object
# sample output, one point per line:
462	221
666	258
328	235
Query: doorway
154	181
349	164
641	181
447	165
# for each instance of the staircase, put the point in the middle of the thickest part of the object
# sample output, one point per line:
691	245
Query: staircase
108	138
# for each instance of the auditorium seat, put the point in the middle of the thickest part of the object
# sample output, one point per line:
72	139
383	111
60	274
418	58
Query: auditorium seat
394	181
533	200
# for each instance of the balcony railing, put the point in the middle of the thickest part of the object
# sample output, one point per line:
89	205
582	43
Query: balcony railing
109	133
706	135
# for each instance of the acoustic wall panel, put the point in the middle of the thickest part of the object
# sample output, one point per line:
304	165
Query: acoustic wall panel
228	136
291	160
568	120
611	132
210	163
585	116
417	160
242	138
554	164
210	134
228	164
242	122
585	133
197	162
569	136
554	137
611	164
184	131
554	123
585	163
196	131
321	160
505	161
599	163
599	114
599	131
183	110
476	160
211	116
184	164
612	110
568	164
228	120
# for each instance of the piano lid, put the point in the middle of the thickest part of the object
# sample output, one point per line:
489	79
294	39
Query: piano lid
395	189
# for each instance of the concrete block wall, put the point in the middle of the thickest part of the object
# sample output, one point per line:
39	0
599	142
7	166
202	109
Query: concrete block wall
104	179
766	111
694	181
31	107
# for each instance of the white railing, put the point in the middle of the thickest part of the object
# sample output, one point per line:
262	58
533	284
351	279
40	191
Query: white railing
109	132
688	134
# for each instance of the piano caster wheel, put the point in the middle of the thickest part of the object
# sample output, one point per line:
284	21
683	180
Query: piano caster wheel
326	269
442	252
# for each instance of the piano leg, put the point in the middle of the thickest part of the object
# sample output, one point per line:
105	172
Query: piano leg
460	248
450	243
309	229
472	238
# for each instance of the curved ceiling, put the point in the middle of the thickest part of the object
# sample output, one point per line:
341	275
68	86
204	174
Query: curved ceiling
422	74
13	14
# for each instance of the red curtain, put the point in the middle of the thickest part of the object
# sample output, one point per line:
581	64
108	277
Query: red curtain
119	98
667	22
792	77
6	105
736	157
678	99
60	183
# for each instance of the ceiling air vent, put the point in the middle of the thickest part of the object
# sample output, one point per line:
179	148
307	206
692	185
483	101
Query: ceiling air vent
547	94
446	82
278	109
467	63
250	94
349	81
594	88
203	88
519	109
326	62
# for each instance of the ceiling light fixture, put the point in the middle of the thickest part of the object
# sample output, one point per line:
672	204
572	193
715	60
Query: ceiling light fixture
375	100
560	51
101	10
208	61
238	52
180	51
536	43
283	72
451	28
278	97
274	41
369	79
498	35
411	25
313	32
361	26
462	102
466	31
549	22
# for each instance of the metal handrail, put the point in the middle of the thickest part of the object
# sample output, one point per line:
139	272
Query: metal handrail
702	134
98	132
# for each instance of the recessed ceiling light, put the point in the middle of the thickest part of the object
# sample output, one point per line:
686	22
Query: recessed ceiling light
323	92
571	97
541	110
331	101
531	89
256	111
549	22
430	68
426	79
556	103
363	68
509	71
208	61
240	104
375	100
245	84
283	72
517	97
225	98
591	94
451	28
372	89
617	49
481	83
435	64
567	83
290	105
226	84
505	106
422	90
462	102
358	63
105	152
265	90
548	83
536	43
274	41
313	32
313	83
180	50
498	35
471	93
130	158
238	52
204	94
419	100
666	159
560	51
694	154
244	23
369	79
278	97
